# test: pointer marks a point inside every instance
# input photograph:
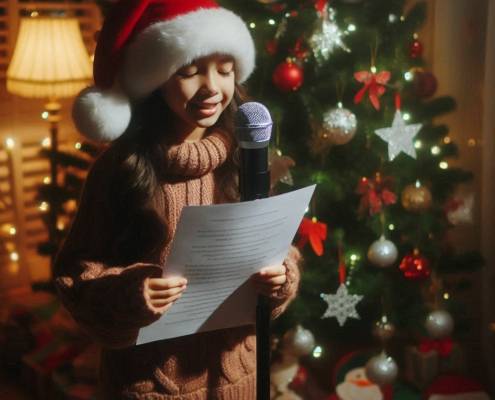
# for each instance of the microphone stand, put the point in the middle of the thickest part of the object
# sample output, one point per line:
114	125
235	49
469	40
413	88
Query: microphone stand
253	187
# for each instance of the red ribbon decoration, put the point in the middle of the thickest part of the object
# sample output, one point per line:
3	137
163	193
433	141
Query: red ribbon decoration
375	194
342	267
374	84
314	232
442	346
299	50
321	5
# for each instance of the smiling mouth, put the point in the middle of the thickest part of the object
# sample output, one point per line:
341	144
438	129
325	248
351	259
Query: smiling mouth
206	109
206	106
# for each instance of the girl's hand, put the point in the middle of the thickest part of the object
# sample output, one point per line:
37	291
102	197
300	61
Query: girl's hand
161	293
269	280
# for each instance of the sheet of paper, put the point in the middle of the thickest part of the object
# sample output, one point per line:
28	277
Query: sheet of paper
217	248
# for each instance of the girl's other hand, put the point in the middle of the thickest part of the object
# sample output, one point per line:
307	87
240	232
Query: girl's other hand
269	280
161	293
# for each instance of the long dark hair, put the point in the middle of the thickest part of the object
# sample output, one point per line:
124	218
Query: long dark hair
140	170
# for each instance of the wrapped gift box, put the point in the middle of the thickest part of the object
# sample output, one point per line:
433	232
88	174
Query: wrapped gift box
422	367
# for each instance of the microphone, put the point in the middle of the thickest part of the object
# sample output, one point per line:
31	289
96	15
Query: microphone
253	126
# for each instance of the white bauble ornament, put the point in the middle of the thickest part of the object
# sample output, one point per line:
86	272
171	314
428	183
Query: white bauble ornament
298	341
382	369
339	126
439	324
383	253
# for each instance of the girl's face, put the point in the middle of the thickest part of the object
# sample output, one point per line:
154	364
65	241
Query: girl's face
198	93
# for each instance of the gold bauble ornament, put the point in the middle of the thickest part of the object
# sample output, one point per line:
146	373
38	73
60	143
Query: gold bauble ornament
416	197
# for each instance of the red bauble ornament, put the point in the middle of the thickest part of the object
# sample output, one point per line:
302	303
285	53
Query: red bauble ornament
414	266
288	76
425	84
416	49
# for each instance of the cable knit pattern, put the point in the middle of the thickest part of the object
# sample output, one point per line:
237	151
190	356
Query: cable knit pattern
107	300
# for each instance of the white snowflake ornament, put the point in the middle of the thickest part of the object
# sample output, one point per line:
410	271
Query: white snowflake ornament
341	305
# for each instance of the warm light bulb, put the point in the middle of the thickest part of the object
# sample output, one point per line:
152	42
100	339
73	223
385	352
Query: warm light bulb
351	28
12	230
44	206
446	296
392	18
418	144
44	115
252	25
408	76
447	139
47	180
14	256
444	165
10	143
406	116
435	150
271	21
373	69
391	227
46	142
317	352
78	145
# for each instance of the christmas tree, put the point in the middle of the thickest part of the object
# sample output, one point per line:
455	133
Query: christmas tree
58	197
354	106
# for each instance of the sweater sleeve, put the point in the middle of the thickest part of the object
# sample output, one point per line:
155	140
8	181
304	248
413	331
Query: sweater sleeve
107	300
288	291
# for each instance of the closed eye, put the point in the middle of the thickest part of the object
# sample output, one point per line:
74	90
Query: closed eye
226	73
187	71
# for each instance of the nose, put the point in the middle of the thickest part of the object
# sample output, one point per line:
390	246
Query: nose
209	85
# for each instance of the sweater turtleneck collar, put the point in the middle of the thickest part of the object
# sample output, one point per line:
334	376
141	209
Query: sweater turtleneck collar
198	158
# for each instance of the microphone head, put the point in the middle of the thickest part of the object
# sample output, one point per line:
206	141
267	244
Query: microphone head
253	125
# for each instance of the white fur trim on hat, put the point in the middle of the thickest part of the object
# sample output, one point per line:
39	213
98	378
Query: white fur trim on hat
101	115
164	47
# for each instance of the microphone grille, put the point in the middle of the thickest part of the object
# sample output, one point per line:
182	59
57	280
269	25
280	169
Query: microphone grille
253	122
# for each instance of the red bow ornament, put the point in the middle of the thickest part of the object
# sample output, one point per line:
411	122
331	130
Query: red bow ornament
442	346
314	232
374	84
375	194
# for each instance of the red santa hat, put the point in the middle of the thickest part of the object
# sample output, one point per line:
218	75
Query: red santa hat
142	44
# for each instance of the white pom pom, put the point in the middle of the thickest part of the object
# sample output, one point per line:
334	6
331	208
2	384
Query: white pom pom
101	115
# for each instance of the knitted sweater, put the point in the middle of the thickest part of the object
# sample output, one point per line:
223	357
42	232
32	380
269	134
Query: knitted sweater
107	300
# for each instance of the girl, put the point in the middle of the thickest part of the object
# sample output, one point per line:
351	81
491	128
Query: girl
180	64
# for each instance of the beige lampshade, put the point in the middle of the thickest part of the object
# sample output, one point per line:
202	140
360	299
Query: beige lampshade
50	59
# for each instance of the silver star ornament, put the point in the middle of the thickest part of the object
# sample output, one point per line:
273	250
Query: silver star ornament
399	137
341	305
